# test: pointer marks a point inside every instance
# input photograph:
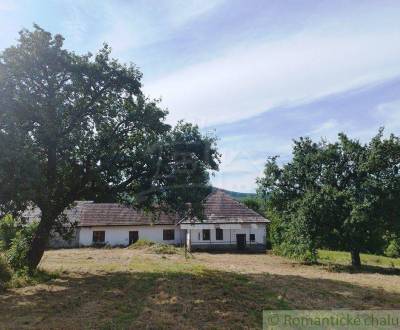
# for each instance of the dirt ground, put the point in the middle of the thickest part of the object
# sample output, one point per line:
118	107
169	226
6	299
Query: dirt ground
130	289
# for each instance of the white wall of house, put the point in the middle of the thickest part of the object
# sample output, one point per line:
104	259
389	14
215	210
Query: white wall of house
229	233
119	235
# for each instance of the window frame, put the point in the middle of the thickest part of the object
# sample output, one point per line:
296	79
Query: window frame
252	237
219	234
167	233
102	234
204	231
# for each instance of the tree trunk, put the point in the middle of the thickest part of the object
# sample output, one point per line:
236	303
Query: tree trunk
355	259
39	242
41	237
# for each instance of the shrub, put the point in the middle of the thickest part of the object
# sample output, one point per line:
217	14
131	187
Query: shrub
5	273
155	247
165	249
17	253
393	249
290	237
142	243
8	230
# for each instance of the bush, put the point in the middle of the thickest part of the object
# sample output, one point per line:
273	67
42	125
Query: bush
5	273
155	247
290	237
393	249
18	251
142	243
8	231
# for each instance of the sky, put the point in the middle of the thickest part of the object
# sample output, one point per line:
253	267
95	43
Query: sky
257	74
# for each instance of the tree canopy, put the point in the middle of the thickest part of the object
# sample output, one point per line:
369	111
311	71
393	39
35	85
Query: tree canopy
79	127
343	195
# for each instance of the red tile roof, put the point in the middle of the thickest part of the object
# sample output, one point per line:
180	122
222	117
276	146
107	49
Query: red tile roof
108	214
219	207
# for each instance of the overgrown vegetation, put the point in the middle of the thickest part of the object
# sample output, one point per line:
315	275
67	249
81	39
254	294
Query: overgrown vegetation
340	196
8	231
5	272
155	247
15	239
21	277
393	248
18	250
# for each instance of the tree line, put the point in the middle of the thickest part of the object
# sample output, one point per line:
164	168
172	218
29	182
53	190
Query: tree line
79	127
343	195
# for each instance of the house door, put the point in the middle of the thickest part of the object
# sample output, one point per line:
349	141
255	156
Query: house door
133	237
241	241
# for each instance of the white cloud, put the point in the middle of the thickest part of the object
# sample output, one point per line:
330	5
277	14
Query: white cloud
183	11
136	24
251	79
7	5
389	115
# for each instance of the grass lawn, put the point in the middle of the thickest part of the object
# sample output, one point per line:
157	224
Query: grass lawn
343	258
140	288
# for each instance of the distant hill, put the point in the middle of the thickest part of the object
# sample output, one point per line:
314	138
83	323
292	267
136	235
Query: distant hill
238	195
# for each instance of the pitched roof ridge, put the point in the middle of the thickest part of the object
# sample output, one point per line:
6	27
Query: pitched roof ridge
236	201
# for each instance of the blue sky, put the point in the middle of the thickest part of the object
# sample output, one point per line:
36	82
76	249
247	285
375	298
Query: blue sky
257	73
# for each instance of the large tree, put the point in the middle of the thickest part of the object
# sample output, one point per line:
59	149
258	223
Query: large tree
343	195
79	127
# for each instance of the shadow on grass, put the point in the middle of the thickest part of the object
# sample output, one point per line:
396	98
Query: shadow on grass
340	268
222	251
207	299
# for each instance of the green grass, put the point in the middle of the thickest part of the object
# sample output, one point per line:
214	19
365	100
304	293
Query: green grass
343	258
17	279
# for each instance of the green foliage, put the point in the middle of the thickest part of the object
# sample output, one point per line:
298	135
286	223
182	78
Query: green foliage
5	272
142	243
292	235
342	195
155	247
20	244
76	127
393	249
24	277
8	230
255	204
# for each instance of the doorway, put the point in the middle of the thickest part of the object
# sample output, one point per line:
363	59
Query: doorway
241	241
133	237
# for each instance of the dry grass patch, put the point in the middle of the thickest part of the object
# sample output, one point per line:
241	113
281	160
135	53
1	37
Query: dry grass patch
137	288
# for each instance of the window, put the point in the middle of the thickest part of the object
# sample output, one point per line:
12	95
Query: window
168	234
99	236
206	234
219	234
252	237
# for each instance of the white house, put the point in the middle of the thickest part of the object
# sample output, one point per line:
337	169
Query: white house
227	224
